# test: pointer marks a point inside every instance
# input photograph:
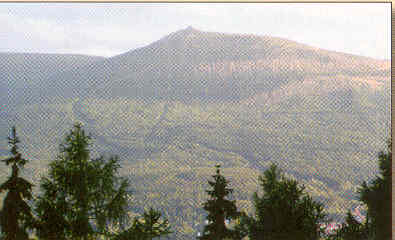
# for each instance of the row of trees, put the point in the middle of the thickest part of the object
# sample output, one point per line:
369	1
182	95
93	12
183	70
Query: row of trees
82	197
287	212
284	211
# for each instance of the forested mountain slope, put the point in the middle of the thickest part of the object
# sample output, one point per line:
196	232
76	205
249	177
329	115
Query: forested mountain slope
178	106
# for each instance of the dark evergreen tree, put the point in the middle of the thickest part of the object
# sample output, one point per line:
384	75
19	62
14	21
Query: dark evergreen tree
243	226
149	227
81	196
284	212
219	209
16	216
377	197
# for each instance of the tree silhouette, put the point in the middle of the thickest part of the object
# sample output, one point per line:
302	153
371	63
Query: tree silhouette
284	212
81	196
16	216
219	209
377	197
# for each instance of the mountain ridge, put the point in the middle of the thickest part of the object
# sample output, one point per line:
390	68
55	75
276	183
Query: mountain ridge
190	30
189	59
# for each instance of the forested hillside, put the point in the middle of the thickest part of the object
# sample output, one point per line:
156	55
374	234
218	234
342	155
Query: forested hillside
174	109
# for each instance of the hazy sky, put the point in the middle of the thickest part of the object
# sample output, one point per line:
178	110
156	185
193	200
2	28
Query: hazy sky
108	29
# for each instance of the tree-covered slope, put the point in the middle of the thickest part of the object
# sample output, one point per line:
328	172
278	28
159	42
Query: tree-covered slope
175	108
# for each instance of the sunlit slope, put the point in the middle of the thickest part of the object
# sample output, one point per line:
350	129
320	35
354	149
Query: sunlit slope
195	65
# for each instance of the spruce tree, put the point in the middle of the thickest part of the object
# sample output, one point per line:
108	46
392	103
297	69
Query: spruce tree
284	212
377	197
81	196
219	209
16	216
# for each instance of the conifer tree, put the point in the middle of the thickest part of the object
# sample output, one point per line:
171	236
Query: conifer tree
81	196
377	197
219	209
284	212
16	216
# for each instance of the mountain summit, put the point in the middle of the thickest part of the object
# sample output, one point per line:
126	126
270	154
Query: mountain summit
190	29
192	64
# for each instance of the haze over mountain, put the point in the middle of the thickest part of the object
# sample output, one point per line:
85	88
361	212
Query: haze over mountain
178	106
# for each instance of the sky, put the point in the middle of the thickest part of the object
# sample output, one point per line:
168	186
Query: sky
108	29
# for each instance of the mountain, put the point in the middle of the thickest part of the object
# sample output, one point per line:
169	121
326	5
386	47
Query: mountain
178	106
21	72
191	64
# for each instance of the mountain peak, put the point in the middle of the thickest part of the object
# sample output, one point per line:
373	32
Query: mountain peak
180	35
191	29
188	31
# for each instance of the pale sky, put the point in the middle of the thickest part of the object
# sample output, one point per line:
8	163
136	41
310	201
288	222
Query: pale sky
108	29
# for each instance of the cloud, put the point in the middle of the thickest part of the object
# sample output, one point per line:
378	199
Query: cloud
69	37
113	28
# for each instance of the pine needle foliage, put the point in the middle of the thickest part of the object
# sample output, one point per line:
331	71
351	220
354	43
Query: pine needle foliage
284	212
219	209
16	216
377	197
81	196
